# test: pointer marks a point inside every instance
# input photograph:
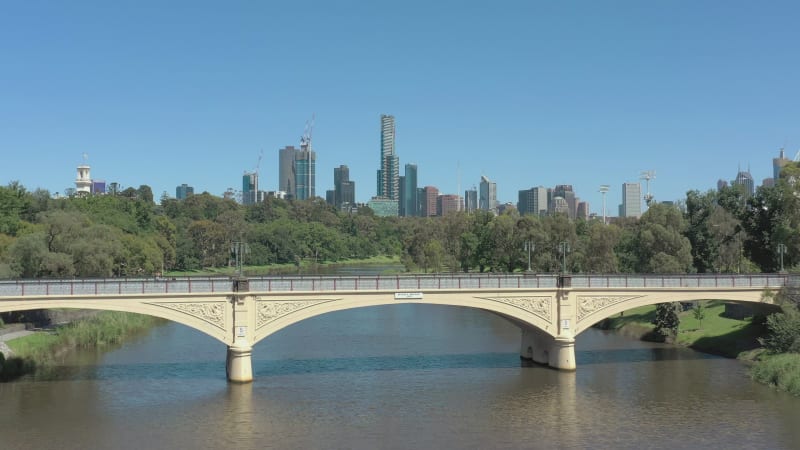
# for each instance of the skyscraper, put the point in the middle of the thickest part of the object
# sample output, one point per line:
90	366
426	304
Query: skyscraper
183	191
488	194
305	163
777	165
389	173
410	205
631	200
344	189
565	191
250	188
428	201
448	203
470	200
533	201
745	180
286	157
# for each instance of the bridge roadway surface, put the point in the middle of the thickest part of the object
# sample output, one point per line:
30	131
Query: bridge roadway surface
550	309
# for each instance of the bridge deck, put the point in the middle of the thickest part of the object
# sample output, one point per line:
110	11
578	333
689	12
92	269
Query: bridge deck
121	286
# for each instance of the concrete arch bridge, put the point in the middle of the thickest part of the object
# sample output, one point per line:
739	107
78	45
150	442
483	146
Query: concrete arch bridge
550	309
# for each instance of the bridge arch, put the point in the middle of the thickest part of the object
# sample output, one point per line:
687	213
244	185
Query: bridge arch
274	313
207	315
597	306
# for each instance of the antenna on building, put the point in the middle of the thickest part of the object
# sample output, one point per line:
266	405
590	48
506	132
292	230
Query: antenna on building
648	175
458	177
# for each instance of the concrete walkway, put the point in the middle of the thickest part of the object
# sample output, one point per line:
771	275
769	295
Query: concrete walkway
9	336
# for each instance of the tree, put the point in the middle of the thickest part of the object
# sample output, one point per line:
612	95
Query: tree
667	321
658	244
700	313
598	245
14	201
26	255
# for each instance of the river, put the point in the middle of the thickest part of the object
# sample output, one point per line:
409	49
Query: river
397	376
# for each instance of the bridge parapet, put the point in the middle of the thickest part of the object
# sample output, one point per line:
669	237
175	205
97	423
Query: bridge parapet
190	285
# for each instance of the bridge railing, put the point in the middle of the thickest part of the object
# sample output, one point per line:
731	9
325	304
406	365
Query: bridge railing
118	286
680	281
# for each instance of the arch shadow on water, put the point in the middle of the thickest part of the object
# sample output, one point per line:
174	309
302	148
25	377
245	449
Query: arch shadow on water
282	367
385	363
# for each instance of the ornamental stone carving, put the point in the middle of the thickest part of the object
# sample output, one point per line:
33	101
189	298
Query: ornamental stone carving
589	304
211	312
269	310
540	306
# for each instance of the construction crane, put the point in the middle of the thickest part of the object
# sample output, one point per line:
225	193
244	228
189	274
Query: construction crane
258	164
305	140
648	175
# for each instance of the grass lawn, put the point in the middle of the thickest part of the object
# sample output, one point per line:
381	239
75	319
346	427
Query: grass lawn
716	334
287	268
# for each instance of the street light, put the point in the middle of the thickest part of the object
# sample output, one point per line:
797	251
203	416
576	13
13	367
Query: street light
563	247
239	249
781	251
529	246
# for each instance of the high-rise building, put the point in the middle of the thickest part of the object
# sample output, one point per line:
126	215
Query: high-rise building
631	200
448	203
582	211
559	205
470	200
428	201
344	189
745	180
305	163
183	191
488	194
389	173
410	205
250	188
777	165
286	157
533	201
565	191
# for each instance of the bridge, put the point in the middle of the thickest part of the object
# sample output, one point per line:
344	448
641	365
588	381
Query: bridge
551	310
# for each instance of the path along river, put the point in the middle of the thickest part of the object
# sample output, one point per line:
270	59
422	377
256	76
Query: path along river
399	376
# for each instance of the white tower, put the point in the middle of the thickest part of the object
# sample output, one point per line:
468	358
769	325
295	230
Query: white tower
83	184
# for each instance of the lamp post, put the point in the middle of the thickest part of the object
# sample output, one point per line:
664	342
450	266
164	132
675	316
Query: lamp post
781	251
529	246
239	249
563	247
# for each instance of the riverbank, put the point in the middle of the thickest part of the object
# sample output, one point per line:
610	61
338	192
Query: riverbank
305	267
36	351
718	335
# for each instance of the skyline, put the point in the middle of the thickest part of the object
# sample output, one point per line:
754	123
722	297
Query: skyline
526	94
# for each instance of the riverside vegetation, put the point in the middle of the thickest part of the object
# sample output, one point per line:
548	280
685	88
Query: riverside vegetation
41	350
128	234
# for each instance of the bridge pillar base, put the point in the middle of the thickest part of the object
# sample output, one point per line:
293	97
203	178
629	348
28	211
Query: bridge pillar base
534	346
562	353
239	365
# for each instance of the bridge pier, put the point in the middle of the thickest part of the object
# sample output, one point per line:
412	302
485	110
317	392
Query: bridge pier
239	364
562	353
535	346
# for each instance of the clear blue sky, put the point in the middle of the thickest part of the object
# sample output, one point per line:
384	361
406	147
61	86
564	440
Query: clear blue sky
528	93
